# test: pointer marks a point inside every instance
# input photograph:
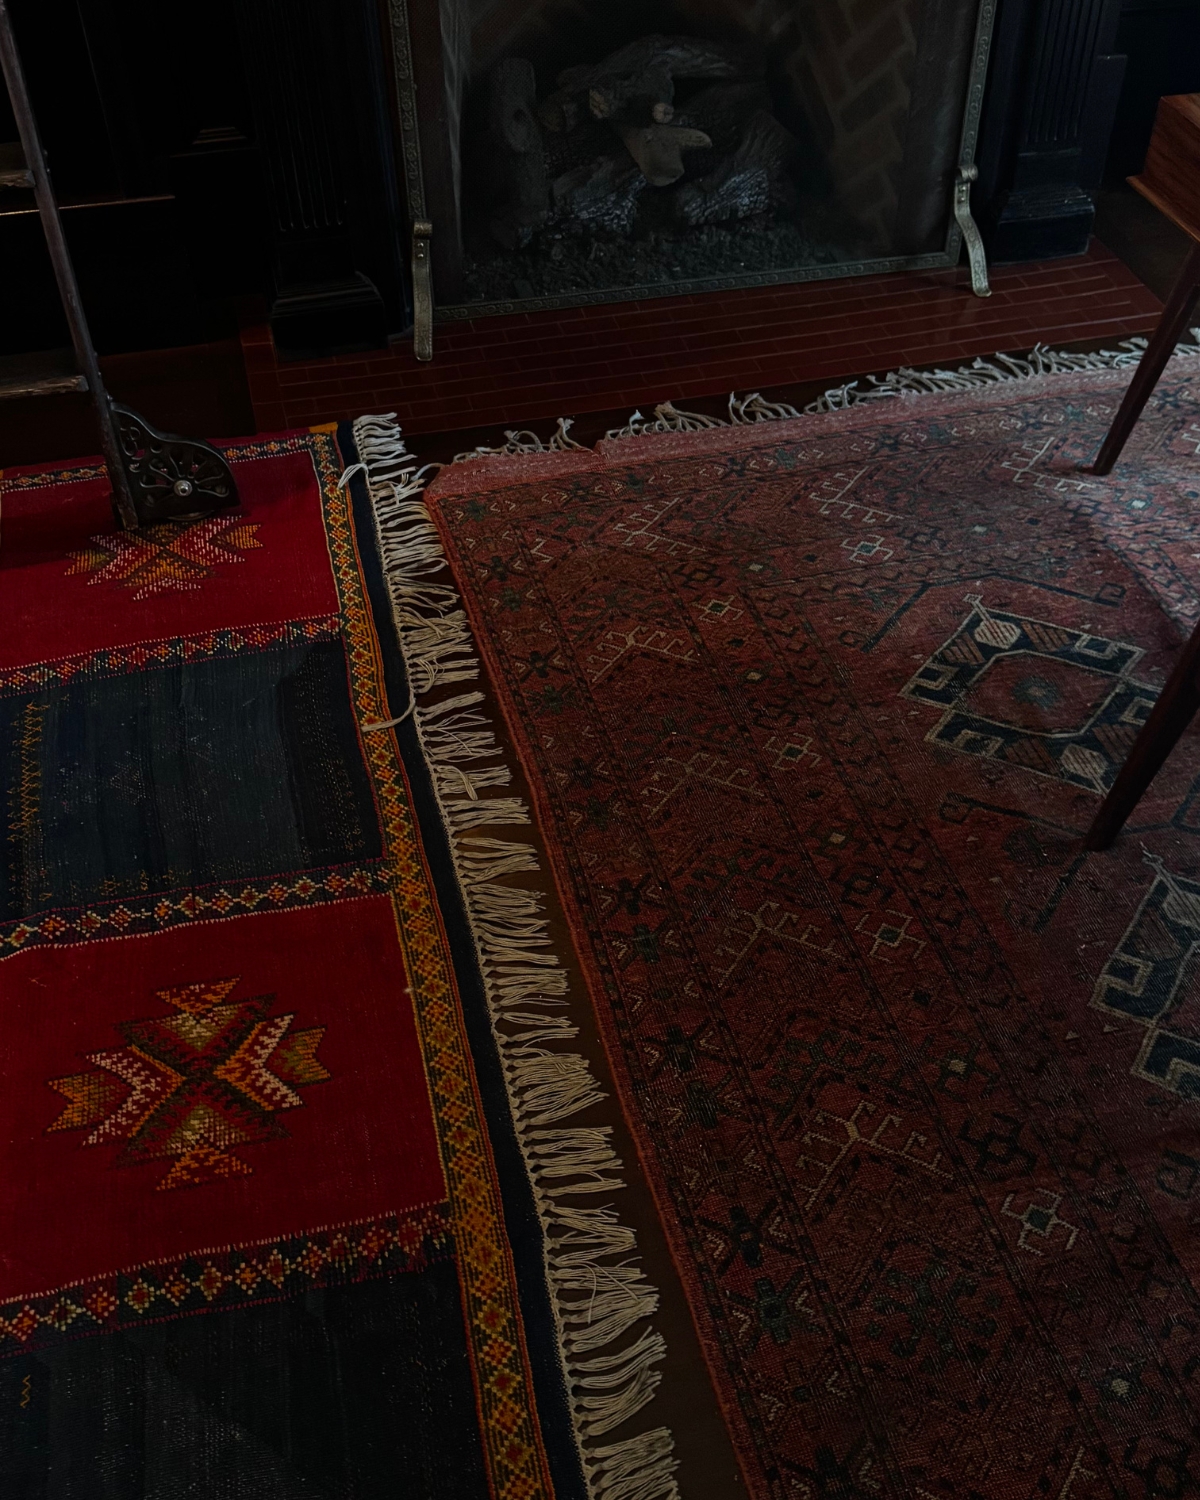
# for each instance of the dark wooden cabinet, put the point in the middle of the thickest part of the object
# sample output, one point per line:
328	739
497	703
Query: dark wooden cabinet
1051	97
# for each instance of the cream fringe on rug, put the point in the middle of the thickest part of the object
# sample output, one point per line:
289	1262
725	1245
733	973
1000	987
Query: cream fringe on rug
744	411
597	1289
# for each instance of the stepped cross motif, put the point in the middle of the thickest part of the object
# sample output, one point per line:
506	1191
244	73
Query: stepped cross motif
194	1085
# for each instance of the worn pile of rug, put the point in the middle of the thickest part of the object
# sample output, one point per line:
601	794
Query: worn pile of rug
815	714
293	1206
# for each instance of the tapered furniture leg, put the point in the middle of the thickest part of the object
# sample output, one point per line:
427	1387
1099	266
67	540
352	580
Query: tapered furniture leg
1180	306
1170	716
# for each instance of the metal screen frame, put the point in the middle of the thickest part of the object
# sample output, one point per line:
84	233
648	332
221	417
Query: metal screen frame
930	260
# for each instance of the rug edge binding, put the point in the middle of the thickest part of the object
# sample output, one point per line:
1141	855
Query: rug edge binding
905	382
597	1291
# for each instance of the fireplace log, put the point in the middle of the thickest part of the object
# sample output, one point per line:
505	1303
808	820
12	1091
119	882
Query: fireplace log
561	111
658	149
751	180
724	110
518	179
636	84
603	194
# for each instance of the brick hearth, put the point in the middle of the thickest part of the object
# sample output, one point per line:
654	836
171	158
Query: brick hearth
530	366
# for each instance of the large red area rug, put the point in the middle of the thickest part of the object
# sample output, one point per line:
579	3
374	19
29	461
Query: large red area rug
815	714
291	1206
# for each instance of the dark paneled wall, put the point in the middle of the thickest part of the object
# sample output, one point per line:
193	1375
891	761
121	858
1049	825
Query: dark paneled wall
207	150
120	88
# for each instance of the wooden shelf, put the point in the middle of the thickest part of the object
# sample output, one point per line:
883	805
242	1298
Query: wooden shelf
49	372
71	205
13	171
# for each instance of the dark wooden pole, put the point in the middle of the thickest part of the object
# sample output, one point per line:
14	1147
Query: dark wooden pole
1175	316
1172	713
64	271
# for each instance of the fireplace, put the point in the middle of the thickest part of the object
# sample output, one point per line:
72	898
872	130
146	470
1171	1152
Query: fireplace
568	153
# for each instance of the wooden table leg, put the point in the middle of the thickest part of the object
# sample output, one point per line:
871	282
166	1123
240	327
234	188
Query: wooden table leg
1180	306
1170	716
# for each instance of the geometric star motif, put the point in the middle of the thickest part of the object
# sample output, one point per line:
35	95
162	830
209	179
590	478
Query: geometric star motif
1039	1217
1051	699
170	555
195	1084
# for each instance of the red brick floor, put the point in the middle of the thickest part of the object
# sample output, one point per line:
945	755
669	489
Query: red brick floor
530	366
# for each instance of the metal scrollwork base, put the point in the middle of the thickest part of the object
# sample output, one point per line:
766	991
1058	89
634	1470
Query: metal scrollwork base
970	231
171	478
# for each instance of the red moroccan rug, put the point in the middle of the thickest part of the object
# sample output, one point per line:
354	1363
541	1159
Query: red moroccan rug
815	714
292	1205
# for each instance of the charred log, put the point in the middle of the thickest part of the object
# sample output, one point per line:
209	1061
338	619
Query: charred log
562	111
658	149
724	110
603	194
517	160
636	84
751	180
714	155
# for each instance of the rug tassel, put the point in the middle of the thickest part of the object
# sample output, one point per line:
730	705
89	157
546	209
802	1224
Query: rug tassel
457	738
539	1029
581	1153
501	928
554	1086
593	1232
527	442
498	952
598	1293
438	651
586	1148
454	781
748	410
462	744
511	983
455	730
516	948
612	1300
501	900
484	859
505	957
744	411
432	711
641	1468
610	1388
666	418
478	813
534	986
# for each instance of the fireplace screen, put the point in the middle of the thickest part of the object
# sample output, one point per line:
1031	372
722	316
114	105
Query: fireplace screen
632	148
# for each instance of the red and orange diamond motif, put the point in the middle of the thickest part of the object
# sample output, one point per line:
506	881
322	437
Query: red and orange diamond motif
140	1296
194	1085
171	555
247	1276
23	1324
100	1304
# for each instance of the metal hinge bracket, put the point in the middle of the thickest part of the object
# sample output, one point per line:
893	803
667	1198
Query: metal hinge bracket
422	282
